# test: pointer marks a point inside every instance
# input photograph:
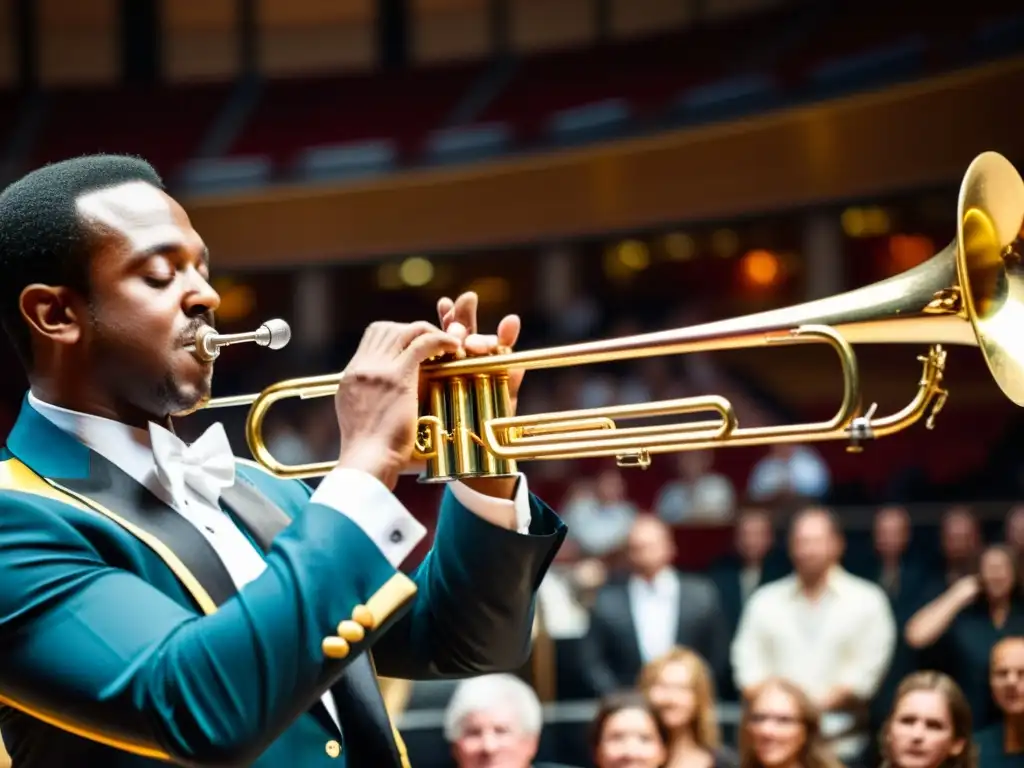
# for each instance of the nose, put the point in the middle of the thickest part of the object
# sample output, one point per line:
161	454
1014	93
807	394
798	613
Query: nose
201	298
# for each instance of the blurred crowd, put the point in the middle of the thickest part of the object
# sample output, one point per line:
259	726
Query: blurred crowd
908	662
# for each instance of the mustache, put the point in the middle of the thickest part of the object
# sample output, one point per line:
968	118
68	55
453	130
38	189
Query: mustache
194	326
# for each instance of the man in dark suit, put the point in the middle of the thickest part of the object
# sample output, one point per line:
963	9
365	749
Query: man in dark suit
165	602
652	609
739	574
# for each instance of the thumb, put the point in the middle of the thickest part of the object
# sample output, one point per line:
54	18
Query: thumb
428	345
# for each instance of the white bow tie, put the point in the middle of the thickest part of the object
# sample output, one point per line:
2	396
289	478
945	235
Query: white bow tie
207	466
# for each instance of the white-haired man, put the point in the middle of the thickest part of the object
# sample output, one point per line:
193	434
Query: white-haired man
494	721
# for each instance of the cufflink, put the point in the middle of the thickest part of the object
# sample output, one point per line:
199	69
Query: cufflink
351	631
363	615
334	647
396	536
333	748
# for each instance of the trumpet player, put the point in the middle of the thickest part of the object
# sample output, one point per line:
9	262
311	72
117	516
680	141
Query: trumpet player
164	602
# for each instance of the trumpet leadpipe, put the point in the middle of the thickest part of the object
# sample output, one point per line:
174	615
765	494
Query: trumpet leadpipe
274	334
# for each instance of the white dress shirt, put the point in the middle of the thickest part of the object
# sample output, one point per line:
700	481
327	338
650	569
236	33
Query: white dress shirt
361	497
844	639
654	605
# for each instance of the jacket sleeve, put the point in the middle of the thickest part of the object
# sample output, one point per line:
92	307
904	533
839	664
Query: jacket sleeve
100	652
473	612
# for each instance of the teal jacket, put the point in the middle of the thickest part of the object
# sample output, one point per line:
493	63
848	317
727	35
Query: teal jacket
123	642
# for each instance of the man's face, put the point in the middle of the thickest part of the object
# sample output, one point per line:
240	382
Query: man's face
960	536
150	294
1006	675
753	537
493	739
814	545
650	546
892	531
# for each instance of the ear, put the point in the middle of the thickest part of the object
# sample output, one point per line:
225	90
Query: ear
957	747
49	311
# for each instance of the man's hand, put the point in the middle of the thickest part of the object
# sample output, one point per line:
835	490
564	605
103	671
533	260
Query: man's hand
459	319
376	401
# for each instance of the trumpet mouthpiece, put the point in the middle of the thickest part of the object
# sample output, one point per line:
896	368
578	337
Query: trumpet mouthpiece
274	334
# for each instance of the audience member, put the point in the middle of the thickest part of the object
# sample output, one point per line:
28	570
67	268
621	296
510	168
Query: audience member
627	733
599	514
929	726
1014	535
828	631
961	542
698	495
964	623
640	617
738	575
904	583
780	728
680	687
492	721
789	472
1001	743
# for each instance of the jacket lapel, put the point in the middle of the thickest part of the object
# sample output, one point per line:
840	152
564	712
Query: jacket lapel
263	520
114	489
357	695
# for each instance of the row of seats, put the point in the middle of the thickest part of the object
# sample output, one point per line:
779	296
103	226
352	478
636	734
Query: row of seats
339	127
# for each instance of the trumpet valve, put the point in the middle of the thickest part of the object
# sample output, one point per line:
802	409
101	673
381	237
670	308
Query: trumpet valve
860	430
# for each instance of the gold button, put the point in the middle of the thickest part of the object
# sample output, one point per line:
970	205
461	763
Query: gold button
334	648
351	631
363	615
333	748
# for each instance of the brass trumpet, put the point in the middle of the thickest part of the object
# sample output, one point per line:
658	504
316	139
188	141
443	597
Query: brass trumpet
969	293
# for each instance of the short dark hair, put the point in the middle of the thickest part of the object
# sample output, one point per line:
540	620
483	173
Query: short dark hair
42	237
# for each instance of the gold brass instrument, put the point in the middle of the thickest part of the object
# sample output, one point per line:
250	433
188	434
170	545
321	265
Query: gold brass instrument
970	293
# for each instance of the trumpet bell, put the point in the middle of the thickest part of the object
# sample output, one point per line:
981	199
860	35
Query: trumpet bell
990	246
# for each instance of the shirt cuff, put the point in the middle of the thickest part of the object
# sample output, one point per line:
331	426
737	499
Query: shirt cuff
512	514
368	503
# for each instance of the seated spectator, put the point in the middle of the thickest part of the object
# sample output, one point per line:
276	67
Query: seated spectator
627	733
929	725
698	495
1014	535
680	687
828	631
965	622
789	472
494	720
904	582
642	616
599	514
780	728
739	574
961	542
1001	744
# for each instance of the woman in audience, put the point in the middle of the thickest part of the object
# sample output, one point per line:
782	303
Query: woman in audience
628	733
780	729
966	621
929	726
680	687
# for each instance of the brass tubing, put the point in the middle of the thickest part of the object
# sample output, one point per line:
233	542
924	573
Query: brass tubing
463	428
618	442
439	465
485	412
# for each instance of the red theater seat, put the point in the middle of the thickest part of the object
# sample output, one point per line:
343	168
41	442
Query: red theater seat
164	126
